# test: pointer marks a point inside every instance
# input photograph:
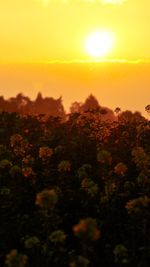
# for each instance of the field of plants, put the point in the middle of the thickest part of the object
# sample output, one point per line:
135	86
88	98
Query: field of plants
74	192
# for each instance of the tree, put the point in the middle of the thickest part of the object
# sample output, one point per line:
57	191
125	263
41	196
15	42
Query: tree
76	107
147	108
117	110
91	103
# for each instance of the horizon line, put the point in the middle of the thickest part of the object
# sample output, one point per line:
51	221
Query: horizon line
82	61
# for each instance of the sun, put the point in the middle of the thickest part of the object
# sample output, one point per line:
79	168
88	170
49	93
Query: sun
99	43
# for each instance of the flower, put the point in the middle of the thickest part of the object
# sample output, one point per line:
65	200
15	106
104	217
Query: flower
46	199
19	145
26	130
31	242
27	171
120	169
57	236
45	152
64	166
15	140
138	205
96	234
87	228
89	186
14	259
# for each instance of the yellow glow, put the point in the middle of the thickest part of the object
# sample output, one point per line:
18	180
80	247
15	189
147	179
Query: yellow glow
99	43
47	30
113	2
43	2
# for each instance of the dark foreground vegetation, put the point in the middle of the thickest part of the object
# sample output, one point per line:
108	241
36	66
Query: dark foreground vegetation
74	192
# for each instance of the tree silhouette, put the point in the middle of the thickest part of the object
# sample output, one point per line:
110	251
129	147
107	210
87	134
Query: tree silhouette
117	110
76	107
147	109
91	103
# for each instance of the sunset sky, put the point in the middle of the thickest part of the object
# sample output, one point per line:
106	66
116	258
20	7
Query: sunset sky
42	30
48	31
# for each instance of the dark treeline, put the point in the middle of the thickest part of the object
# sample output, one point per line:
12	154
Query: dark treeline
23	105
75	192
50	107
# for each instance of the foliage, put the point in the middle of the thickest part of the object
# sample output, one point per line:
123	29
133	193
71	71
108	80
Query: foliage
121	254
14	259
74	192
31	242
57	237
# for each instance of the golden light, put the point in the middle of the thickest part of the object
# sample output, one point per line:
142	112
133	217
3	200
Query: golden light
43	2
99	43
113	2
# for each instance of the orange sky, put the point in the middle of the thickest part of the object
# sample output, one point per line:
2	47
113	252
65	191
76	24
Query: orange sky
42	31
126	85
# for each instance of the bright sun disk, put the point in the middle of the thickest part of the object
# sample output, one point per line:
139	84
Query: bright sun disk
99	43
